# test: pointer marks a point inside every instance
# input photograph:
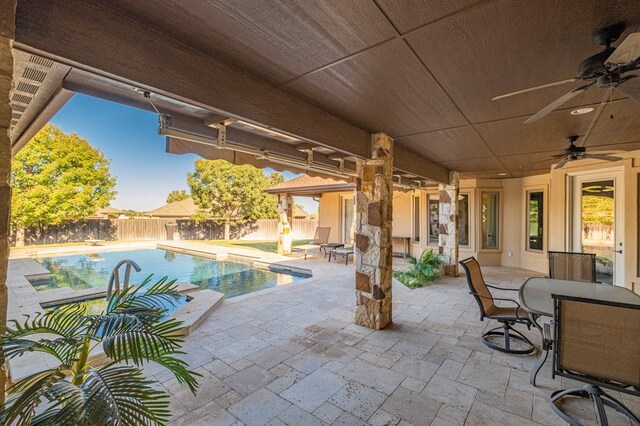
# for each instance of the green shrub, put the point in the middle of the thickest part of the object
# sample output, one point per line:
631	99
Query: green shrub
424	270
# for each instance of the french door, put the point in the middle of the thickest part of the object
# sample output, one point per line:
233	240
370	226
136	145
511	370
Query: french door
598	222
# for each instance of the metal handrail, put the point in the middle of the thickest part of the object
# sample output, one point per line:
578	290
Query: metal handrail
114	279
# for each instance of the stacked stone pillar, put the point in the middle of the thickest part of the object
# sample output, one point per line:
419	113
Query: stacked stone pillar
373	250
7	29
285	219
448	218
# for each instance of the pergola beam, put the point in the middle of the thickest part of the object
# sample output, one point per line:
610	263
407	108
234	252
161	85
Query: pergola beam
100	38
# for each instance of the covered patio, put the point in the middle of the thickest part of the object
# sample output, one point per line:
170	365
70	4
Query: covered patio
383	96
294	356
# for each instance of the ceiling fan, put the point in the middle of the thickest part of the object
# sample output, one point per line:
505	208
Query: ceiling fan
607	69
574	153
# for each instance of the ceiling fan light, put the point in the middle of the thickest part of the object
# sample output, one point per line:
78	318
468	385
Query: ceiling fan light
581	111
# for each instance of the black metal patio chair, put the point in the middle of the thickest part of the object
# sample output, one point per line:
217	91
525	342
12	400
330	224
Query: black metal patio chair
506	316
597	343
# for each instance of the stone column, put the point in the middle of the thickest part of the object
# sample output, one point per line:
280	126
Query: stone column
373	204
285	218
7	28
448	217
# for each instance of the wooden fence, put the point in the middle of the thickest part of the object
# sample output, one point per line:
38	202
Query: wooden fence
156	229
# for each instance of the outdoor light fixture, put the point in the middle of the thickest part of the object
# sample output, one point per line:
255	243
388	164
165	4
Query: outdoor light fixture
502	174
581	111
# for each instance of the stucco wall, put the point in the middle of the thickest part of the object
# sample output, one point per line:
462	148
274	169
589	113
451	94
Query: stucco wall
513	193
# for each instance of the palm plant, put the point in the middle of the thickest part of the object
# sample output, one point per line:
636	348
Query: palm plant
132	332
425	270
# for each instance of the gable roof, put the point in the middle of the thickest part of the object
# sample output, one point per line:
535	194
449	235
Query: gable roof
182	208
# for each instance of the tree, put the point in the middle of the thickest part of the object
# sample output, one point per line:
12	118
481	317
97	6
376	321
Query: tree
58	177
132	329
177	195
233	194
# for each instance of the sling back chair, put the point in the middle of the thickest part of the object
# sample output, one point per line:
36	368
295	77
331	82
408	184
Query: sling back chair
506	316
572	266
597	343
321	237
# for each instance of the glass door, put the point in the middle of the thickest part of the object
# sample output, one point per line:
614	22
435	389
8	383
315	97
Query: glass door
596	211
347	220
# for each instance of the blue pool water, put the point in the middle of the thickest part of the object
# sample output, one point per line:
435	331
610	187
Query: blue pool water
89	270
97	306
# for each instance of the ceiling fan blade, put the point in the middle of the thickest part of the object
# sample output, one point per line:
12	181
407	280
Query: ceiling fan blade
609	152
601	157
531	89
561	164
631	88
558	155
603	102
558	102
626	52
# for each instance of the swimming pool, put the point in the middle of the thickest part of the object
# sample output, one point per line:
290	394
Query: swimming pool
95	306
92	269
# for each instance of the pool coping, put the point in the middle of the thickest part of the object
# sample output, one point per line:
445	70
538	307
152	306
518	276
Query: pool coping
203	302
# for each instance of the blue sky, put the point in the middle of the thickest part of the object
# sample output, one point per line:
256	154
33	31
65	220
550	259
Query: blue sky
129	138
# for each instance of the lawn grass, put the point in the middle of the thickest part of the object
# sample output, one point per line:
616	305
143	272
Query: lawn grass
267	246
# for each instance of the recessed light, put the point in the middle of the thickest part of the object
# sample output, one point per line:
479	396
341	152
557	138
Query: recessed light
581	111
502	174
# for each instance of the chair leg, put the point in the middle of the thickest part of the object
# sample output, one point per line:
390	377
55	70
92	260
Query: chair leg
599	398
507	332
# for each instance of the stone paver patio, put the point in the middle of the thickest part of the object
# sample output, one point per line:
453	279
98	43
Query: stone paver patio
292	355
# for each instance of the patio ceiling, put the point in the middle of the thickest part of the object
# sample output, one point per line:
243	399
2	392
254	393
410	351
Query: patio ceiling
422	71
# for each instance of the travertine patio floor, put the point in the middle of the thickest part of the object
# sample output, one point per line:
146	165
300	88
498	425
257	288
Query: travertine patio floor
292	355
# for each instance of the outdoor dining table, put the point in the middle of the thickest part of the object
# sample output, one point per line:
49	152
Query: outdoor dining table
535	297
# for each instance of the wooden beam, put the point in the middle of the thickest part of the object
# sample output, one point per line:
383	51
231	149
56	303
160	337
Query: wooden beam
409	162
98	37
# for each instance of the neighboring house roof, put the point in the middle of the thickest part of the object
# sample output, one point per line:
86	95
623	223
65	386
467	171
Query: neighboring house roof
183	208
300	213
308	185
109	210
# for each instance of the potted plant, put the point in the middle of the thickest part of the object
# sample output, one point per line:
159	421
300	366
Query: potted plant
132	331
423	271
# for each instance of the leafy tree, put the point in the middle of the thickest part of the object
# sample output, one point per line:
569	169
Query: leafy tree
177	195
230	193
58	177
132	331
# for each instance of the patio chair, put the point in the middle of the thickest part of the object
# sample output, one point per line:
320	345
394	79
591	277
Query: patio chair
572	266
596	343
506	316
345	251
321	237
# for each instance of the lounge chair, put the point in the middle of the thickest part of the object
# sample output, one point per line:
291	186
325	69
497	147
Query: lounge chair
506	316
321	237
572	266
345	251
596	343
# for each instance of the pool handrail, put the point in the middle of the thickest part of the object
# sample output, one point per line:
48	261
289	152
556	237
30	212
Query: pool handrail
114	279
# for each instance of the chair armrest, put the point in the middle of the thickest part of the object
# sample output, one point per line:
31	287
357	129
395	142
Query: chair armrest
504	300
502	288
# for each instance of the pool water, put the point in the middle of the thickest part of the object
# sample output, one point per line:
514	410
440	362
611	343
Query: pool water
97	306
90	270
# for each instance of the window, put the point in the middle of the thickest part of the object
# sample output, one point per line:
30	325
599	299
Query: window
490	219
535	220
463	220
416	219
433	218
